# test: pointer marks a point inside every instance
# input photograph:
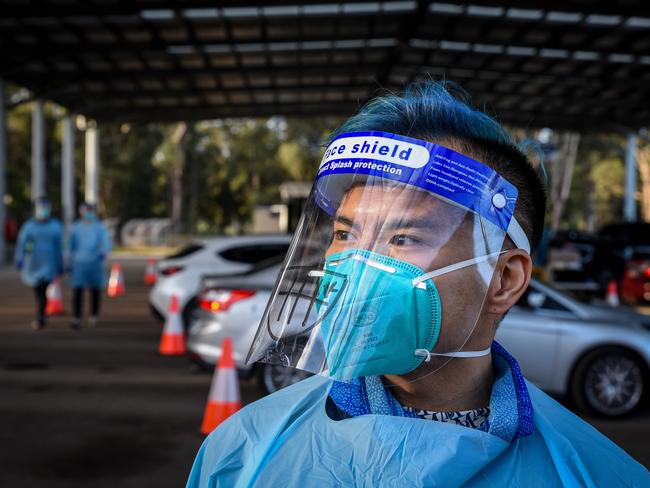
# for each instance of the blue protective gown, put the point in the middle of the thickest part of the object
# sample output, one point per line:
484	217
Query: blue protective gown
39	250
88	245
288	440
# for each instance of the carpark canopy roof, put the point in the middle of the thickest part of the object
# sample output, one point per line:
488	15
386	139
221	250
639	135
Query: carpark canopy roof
571	63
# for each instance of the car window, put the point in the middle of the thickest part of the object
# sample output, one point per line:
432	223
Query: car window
254	254
549	302
186	251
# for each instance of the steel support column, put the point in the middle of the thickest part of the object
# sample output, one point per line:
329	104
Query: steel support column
67	172
92	164
3	172
629	207
38	150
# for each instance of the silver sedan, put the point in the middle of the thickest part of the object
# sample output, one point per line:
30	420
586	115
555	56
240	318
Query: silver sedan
597	355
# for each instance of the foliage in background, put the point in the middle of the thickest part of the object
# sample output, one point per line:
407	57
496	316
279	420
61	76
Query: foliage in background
131	186
225	167
596	196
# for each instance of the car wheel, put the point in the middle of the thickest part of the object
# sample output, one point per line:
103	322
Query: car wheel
609	382
274	377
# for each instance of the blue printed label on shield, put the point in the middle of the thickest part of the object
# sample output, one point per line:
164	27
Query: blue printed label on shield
431	167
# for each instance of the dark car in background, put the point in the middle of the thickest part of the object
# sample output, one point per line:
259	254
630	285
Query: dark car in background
586	263
575	261
630	258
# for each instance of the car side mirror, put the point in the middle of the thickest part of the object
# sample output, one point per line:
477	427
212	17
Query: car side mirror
536	299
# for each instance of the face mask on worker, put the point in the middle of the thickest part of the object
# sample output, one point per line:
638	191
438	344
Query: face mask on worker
391	262
380	315
42	210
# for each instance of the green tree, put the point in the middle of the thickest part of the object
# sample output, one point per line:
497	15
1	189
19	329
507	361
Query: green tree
131	185
596	196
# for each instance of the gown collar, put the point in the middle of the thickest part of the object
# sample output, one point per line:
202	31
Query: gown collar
511	411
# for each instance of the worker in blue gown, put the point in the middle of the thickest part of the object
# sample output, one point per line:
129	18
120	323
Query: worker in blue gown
38	254
88	246
415	242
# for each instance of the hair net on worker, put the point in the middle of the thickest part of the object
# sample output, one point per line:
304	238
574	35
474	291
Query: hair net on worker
394	231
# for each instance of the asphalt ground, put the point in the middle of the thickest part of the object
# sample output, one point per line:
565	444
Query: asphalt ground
101	407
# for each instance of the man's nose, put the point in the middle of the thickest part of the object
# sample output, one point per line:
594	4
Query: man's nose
373	245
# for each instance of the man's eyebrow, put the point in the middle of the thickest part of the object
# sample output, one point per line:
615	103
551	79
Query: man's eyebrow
410	223
344	220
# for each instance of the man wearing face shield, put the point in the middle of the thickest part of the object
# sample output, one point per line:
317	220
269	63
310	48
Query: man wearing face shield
88	246
414	243
38	254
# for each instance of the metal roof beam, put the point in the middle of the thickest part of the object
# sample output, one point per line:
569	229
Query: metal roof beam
26	10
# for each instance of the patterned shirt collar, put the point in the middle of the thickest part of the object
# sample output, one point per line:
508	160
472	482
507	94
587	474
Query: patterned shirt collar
472	419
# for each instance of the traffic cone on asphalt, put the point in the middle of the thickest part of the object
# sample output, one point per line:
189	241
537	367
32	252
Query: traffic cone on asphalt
116	281
612	294
150	272
224	399
54	294
172	342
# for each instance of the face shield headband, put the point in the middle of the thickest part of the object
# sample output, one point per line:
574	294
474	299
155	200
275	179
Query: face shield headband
352	305
430	167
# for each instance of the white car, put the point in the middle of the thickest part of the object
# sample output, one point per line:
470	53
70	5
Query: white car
233	307
598	356
180	274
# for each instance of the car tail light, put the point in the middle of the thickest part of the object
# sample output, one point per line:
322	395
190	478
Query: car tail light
170	270
216	300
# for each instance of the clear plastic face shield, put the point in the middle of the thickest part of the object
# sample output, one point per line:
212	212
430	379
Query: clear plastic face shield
390	265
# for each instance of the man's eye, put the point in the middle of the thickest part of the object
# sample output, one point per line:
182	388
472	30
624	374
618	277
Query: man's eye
403	240
342	235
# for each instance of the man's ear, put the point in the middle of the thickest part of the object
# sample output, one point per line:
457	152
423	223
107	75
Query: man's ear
510	280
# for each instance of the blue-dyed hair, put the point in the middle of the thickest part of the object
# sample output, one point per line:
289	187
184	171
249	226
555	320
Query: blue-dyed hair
440	112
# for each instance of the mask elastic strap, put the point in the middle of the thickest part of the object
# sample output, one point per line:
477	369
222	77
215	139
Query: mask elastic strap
419	281
458	354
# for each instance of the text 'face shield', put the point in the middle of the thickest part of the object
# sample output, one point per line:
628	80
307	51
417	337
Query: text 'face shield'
391	261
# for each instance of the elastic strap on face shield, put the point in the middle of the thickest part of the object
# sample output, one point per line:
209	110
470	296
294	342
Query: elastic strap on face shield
518	236
458	354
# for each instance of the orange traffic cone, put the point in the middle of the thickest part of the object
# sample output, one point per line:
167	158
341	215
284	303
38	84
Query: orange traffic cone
224	399
172	342
612	294
54	294
116	281
150	272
